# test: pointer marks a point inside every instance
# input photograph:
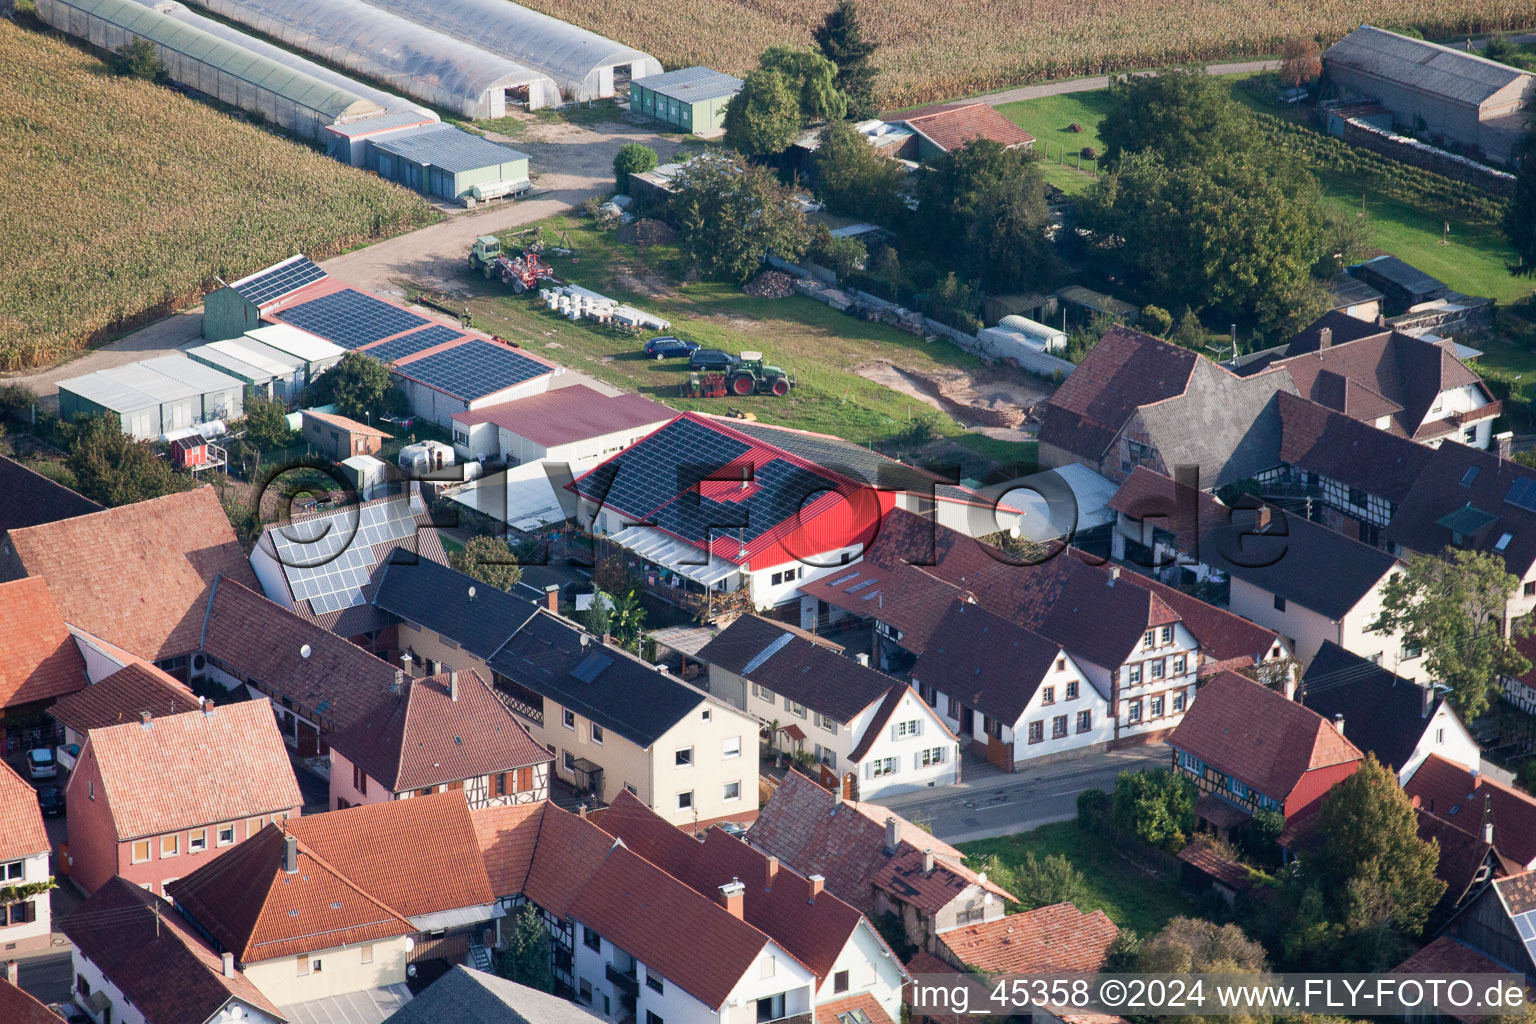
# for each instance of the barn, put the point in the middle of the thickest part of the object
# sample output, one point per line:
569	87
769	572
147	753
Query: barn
443	161
693	99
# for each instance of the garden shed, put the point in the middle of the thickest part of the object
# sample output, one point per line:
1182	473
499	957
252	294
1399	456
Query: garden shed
693	99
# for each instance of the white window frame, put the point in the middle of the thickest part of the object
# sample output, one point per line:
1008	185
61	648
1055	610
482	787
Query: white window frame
19	867
880	767
931	757
688	793
725	791
219	835
725	747
679	755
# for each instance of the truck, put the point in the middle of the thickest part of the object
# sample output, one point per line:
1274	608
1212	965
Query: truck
753	376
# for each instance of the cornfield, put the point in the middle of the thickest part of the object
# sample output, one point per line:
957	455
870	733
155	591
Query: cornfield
124	200
935	51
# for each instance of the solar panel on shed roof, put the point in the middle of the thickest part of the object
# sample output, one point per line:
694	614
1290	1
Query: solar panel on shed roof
474	369
273	283
350	318
666	464
416	341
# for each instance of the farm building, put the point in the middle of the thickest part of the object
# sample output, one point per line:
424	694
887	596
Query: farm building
448	73
692	99
315	355
339	437
584	65
154	397
443	161
230	311
349	142
947	127
216	67
263	369
1458	96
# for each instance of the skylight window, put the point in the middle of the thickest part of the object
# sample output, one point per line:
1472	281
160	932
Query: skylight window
1469	476
1504	539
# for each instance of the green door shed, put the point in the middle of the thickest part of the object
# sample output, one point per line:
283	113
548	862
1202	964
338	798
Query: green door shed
692	99
445	162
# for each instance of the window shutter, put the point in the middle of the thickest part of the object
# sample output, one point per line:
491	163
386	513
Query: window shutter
917	761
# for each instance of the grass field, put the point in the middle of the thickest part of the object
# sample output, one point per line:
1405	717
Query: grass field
1129	896
123	200
814	342
1049	120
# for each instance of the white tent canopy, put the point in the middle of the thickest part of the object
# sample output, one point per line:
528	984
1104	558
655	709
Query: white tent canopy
679	556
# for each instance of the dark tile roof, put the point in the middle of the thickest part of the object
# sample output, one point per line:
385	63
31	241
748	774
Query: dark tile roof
166	971
18	1007
1224	425
1390	268
575	413
1225	639
986	661
1319	440
1257	736
1456	793
466	996
1463	854
1449	955
805	672
1519	892
28	498
42	658
1345	328
436	598
1384	714
122	697
1456	477
621	693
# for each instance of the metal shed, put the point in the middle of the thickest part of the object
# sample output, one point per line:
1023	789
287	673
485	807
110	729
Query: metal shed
584	65
316	354
444	161
436	68
274	374
693	99
216	67
155	396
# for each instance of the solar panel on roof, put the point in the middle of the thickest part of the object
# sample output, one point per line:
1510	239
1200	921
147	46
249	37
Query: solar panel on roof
1523	925
416	341
327	560
350	318
1523	493
784	489
279	281
668	463
591	667
474	370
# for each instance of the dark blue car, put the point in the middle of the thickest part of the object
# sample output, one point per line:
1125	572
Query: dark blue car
669	347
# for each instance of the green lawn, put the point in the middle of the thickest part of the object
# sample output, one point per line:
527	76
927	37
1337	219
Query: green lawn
1048	120
1131	897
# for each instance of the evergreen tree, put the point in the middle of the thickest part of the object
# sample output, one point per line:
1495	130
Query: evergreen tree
527	958
1520	217
632	158
840	37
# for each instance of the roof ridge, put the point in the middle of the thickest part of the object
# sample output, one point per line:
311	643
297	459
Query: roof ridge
339	874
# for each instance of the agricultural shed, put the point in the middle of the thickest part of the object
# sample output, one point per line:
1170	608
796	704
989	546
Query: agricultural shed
693	99
264	369
583	64
153	397
230	311
316	355
448	73
443	161
216	67
349	142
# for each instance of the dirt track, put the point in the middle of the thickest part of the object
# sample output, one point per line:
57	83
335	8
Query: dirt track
992	401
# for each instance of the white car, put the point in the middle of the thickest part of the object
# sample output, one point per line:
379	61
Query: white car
41	763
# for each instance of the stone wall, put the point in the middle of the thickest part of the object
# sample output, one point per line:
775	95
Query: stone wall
1411	151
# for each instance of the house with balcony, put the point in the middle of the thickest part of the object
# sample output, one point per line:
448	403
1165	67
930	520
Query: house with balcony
25	921
140	805
870	734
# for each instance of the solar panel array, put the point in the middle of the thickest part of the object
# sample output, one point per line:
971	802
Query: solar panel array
474	369
645	475
416	341
350	318
279	281
1523	493
327	560
1525	924
784	490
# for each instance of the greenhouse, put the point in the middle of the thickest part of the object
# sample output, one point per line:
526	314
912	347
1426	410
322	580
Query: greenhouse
583	64
435	68
213	66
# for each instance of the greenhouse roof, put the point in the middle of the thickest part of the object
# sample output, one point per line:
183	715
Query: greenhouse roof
449	148
301	89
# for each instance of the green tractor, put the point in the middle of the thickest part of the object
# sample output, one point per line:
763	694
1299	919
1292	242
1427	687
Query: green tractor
482	255
752	376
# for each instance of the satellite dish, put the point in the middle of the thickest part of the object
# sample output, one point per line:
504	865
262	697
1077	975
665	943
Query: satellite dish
304	651
471	593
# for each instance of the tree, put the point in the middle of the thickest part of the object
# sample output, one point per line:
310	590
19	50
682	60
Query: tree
764	117
843	256
1300	61
840	38
527	958
1044	883
138	58
112	468
489	560
1157	806
1520	216
632	158
359	386
812	78
854	180
1452	607
1184	115
266	423
1191	945
730	212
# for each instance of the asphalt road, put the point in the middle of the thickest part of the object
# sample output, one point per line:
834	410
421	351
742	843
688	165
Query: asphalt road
994	804
47	978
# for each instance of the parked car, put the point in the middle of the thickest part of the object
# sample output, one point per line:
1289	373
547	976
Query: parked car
713	359
668	347
40	763
733	828
51	800
70	1012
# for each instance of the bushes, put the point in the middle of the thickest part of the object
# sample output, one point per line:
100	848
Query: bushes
632	158
1093	810
138	59
1044	883
1157	807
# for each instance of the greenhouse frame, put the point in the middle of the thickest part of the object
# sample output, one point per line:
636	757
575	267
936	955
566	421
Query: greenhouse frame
216	67
582	63
448	73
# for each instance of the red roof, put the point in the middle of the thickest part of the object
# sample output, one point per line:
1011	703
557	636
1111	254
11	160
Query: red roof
21	821
951	125
1449	791
1224	638
1447	955
138	575
17	1007
41	659
508	836
123	697
1204	857
570	850
827	1013
563	415
351	426
426	737
1058	938
1257	736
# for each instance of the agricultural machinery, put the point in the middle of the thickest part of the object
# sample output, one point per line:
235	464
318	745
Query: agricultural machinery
752	376
524	272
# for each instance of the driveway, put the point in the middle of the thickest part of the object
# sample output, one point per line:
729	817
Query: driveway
993	803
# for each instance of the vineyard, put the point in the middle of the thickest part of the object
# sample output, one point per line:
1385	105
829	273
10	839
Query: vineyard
939	51
123	200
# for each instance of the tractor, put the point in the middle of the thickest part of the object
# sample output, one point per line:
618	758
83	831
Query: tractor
523	273
483	254
752	376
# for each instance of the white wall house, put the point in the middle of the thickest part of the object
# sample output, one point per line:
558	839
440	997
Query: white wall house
105	1003
865	965
351	786
26	924
1154	687
1462	403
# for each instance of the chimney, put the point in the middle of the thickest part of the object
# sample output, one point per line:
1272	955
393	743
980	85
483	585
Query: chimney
1324	339
1338	723
453	684
1381	320
733	897
1261	518
147	719
229	965
552	597
207	703
928	861
12	973
1114	575
290	854
1504	444
891	839
398	686
862	658
581	811
1426	700
817	883
771	866
1488	819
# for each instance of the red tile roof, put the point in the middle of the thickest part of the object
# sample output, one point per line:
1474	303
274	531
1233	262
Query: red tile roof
1226	639
17	1007
351	426
1447	955
137	575
193	769
951	125
21	821
41	659
570	850
1058	938
575	413
1257	736
162	966
122	697
827	1013
508	836
1456	794
1202	856
425	737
